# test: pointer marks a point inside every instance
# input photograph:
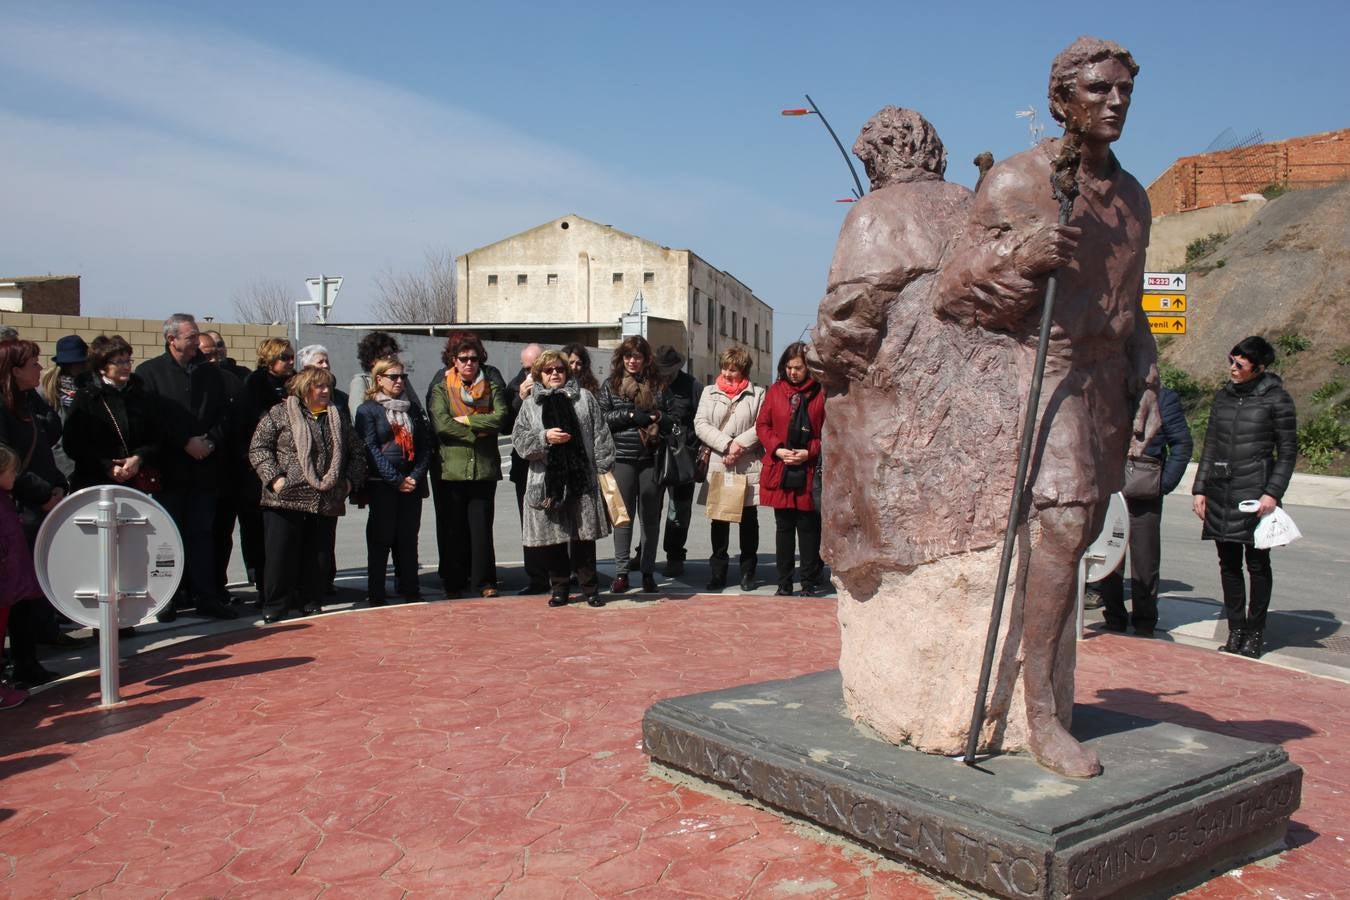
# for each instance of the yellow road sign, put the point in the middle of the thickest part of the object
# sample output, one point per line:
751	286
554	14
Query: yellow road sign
1166	303
1167	324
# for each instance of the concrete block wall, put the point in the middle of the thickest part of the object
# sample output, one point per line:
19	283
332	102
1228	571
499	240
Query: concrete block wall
146	336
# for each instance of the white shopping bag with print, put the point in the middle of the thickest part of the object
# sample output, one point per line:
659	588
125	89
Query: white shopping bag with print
1276	530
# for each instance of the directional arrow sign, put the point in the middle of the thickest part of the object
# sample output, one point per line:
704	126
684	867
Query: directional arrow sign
1165	281
1168	303
1167	324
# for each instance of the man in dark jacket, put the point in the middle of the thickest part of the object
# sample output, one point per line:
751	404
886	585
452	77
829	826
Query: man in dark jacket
193	405
1172	446
517	389
684	394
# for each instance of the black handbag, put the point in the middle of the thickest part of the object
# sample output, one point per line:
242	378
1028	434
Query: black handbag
1143	478
675	460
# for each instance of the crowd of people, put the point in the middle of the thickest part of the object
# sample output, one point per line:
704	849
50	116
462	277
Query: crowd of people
282	452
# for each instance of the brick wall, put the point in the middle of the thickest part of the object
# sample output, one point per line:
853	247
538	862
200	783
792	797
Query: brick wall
146	336
52	296
1196	182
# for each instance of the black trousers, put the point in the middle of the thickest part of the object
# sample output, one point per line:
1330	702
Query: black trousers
252	542
561	560
393	521
1145	558
222	534
749	540
678	514
794	526
194	513
1244	614
643	497
299	558
536	569
464	516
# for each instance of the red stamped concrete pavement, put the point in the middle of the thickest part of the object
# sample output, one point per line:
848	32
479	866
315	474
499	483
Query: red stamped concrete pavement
492	748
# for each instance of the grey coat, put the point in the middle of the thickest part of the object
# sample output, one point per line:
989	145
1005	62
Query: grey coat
585	520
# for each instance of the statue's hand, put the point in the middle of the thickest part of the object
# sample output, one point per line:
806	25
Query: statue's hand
1147	421
1047	248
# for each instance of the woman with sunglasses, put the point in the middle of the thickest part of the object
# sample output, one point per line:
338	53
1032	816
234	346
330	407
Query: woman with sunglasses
467	412
561	432
398	442
634	402
1250	448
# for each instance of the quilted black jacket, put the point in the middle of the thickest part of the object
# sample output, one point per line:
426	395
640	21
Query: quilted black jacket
1250	448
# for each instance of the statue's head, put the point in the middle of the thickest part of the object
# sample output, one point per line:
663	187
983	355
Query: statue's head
1091	81
898	145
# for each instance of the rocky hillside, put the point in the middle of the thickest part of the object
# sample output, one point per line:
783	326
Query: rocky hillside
1286	276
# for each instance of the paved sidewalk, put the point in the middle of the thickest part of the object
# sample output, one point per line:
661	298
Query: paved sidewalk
492	749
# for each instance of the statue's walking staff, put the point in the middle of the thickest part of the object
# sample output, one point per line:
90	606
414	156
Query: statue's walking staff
1064	186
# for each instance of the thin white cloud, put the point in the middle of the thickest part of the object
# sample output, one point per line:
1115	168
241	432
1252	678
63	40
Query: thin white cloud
172	167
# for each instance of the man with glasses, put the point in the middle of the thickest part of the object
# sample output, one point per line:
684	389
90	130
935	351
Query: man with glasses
223	358
193	405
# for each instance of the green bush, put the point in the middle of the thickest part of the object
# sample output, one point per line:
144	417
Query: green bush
1328	390
1202	247
1320	439
1292	343
1341	356
1190	389
1271	191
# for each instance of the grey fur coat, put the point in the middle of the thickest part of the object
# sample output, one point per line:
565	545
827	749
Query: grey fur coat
585	520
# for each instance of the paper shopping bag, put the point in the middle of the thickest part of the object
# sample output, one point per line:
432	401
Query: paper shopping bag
609	488
726	496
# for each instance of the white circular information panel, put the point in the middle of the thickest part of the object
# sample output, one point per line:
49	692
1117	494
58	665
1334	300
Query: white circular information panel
1108	549
149	555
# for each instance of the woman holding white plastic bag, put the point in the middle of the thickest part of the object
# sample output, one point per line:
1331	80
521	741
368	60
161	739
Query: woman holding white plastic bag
725	423
1248	458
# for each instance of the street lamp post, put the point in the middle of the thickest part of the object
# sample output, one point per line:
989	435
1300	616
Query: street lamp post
815	111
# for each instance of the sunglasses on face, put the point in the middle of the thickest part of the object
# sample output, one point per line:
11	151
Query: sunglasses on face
1239	364
287	357
554	370
399	377
634	356
466	359
120	362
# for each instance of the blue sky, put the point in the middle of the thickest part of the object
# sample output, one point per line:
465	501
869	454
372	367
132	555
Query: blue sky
173	153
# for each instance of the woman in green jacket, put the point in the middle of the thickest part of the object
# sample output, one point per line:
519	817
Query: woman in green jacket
467	411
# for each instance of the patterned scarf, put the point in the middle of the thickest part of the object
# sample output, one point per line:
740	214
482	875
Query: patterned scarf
295	418
396	412
473	400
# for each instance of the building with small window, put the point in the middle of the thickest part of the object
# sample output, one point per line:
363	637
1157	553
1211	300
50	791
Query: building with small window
572	279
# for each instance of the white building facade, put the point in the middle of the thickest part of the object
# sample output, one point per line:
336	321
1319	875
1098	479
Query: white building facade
574	275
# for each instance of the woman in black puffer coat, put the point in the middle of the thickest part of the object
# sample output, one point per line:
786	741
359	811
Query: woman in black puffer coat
1250	448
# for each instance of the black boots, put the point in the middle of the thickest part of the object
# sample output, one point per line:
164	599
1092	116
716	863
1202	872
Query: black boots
1253	644
719	573
748	582
1234	643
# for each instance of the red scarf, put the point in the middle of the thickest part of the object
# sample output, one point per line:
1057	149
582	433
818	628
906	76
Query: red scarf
732	388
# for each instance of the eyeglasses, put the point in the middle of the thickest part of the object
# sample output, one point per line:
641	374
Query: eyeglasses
120	362
554	370
287	357
392	377
632	355
1238	363
466	359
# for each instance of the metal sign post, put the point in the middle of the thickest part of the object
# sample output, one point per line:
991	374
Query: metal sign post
139	556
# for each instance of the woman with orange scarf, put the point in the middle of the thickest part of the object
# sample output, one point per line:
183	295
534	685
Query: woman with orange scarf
467	413
398	444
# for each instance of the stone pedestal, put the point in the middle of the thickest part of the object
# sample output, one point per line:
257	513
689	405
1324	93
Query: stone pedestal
910	650
1173	806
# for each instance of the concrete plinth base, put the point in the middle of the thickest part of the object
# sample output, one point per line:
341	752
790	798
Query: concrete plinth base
1173	805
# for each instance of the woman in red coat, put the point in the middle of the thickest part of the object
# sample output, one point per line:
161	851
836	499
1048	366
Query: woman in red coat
789	427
